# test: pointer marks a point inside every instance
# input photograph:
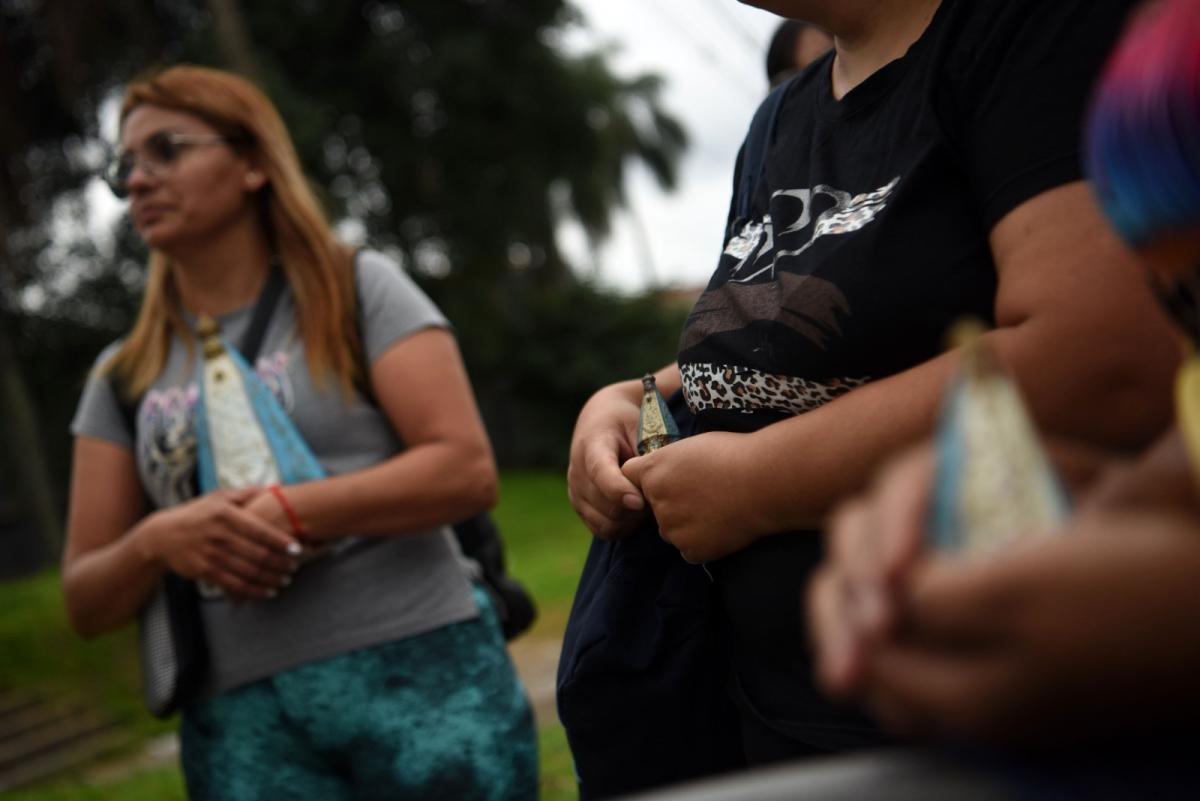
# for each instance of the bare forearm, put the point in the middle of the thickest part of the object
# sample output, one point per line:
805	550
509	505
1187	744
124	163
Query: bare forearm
806	464
809	462
426	486
1106	386
105	588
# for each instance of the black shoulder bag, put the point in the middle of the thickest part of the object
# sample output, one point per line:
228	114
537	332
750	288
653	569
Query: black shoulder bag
479	539
643	676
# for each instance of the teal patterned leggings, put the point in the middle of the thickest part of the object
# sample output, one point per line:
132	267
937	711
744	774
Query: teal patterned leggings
441	715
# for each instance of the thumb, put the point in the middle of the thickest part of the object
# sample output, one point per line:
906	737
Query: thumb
635	468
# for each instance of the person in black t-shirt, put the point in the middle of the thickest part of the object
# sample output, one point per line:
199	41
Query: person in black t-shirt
1090	634
926	169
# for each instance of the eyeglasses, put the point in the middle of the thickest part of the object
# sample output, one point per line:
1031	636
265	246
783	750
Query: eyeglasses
156	156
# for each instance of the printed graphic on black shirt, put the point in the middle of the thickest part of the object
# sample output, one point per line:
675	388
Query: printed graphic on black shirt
871	217
754	245
767	282
844	273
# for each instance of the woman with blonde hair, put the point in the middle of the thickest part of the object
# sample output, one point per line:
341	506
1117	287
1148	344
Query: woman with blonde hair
349	654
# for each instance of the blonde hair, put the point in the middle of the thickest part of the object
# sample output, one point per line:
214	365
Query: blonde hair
318	268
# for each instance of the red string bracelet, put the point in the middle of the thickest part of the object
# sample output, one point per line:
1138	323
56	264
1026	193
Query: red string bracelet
293	518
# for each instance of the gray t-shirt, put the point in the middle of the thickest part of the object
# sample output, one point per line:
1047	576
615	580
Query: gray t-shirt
376	590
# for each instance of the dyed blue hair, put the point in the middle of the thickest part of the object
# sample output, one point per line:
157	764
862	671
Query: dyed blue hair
1143	130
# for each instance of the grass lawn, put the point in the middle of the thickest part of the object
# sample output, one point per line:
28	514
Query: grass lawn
154	784
546	546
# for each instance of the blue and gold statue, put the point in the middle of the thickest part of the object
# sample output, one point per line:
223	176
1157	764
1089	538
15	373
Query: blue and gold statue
656	426
994	483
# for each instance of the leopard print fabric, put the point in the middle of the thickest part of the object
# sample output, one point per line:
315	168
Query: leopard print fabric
740	388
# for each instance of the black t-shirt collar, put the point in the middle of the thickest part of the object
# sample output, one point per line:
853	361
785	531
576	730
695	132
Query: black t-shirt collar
879	83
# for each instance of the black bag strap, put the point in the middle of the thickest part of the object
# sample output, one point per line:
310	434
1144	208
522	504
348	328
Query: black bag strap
252	340
363	385
754	151
264	309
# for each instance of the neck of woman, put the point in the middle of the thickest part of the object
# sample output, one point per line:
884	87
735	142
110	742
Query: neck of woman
871	33
221	273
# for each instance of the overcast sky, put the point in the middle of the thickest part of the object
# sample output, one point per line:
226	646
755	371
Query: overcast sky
711	53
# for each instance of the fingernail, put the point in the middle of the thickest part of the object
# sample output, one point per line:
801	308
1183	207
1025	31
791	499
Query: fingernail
272	593
285	581
295	549
631	501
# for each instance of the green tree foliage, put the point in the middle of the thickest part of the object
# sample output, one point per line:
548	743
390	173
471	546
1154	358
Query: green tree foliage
458	129
457	134
546	349
54	68
461	135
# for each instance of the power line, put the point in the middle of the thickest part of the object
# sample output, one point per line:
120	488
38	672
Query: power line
737	24
707	52
713	55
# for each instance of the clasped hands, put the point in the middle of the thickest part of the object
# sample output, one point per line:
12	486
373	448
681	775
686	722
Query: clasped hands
239	540
1058	637
696	487
1080	634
